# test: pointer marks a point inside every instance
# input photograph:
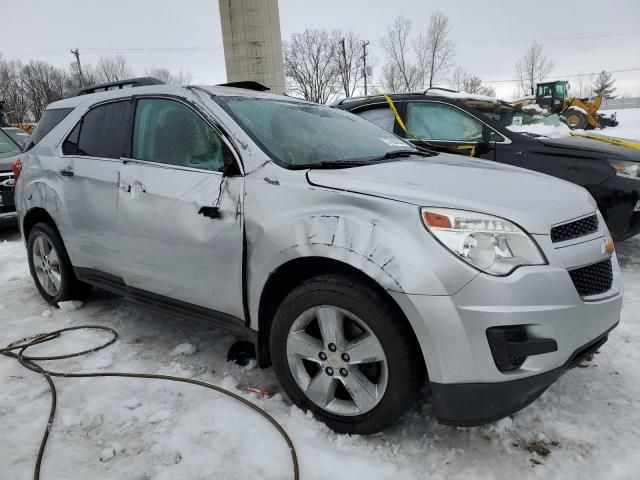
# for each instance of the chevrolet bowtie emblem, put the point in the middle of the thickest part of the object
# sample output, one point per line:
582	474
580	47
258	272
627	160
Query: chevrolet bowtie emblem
608	247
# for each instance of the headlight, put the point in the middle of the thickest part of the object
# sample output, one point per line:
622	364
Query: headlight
491	244
626	169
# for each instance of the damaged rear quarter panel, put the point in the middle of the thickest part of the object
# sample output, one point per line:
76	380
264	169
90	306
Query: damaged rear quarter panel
286	218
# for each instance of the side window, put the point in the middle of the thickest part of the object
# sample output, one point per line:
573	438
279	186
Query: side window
439	121
166	131
381	116
105	131
70	145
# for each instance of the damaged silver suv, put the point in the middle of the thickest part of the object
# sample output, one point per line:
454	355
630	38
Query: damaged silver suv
360	267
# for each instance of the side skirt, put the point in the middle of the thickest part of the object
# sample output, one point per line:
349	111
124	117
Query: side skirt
114	284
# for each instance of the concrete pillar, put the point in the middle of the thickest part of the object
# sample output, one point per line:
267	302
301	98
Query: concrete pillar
252	42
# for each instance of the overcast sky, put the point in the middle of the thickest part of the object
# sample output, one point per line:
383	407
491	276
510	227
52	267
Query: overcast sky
581	36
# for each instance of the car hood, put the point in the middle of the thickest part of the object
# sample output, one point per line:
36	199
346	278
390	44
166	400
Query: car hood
588	145
532	200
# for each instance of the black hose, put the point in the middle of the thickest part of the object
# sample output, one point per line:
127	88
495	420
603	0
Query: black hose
17	350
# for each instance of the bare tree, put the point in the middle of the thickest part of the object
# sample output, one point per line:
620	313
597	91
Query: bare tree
350	61
43	83
457	78
434	50
12	91
165	75
391	79
473	84
532	68
396	46
310	65
113	69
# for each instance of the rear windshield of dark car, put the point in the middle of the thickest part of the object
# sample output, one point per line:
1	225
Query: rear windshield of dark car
48	122
8	146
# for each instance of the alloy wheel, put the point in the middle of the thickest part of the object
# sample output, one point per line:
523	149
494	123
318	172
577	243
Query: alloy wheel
337	360
46	263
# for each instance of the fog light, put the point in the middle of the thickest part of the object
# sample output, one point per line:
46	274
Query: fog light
637	207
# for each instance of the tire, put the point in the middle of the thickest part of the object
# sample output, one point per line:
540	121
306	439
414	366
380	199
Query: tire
51	268
302	351
576	119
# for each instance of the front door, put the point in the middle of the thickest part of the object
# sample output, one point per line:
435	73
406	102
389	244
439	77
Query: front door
180	223
447	128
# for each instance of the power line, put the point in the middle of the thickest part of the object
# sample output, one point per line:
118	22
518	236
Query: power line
568	76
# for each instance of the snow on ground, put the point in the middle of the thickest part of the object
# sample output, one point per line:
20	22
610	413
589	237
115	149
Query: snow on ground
125	428
629	126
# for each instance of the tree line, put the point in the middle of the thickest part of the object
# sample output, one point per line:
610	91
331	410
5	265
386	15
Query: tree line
322	65
27	88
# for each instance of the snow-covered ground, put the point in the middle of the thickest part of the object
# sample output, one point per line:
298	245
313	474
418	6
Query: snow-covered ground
132	429
629	126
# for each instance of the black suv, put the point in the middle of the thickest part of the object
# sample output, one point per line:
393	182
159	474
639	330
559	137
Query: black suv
457	123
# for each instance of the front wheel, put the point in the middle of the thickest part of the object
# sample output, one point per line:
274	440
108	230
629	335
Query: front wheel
51	268
342	352
576	118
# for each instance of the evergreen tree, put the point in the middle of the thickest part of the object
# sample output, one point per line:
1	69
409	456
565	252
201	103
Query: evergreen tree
603	85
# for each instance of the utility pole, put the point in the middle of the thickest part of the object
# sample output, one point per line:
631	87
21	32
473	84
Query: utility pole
345	70
76	53
364	64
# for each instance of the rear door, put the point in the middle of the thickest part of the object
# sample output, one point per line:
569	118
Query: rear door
89	175
179	216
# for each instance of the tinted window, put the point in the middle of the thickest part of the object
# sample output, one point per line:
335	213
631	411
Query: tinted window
7	146
166	131
49	120
297	133
381	116
439	121
105	131
70	145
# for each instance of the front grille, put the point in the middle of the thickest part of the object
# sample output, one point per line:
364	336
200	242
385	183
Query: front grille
576	229
593	279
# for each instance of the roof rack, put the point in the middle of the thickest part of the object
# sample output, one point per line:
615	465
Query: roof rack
440	88
247	85
128	83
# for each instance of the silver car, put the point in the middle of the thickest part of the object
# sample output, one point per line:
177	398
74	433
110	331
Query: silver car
360	267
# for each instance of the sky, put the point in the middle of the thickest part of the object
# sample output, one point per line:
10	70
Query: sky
580	36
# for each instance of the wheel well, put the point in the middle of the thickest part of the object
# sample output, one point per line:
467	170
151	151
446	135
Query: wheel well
291	274
35	216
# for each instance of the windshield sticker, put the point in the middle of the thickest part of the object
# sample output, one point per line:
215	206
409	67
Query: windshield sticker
394	142
517	121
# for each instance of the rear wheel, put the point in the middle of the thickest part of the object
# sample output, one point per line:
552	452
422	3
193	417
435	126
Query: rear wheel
576	118
343	353
50	267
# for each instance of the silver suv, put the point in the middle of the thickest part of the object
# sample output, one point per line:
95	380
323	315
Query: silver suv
360	267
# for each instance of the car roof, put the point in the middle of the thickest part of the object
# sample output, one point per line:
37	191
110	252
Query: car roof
216	90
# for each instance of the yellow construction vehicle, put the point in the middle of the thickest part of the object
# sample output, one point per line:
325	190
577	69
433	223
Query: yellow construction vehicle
4	121
579	113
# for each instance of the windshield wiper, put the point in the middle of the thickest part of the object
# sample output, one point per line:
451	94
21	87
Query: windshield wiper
401	153
331	164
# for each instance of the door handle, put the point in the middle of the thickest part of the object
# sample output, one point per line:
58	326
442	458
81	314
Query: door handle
209	212
65	173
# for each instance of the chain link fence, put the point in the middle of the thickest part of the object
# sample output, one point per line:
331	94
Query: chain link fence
620	103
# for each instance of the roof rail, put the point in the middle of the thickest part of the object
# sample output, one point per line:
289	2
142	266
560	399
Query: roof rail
442	89
247	85
120	84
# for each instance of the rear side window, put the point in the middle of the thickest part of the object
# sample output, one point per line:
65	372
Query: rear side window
50	119
105	131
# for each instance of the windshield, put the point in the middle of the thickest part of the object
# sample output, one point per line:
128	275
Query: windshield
295	133
7	146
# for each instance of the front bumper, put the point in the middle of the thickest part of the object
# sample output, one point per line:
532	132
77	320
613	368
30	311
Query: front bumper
468	386
619	201
473	404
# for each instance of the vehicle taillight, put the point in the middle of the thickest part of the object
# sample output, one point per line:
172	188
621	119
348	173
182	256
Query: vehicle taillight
17	168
